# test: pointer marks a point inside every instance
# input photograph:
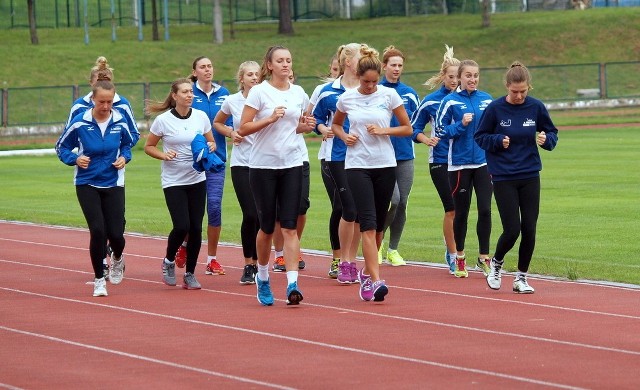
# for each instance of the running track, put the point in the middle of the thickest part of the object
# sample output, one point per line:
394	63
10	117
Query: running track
432	331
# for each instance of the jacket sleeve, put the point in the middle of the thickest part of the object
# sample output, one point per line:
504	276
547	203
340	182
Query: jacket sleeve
67	142
128	138
419	121
446	126
485	135
545	124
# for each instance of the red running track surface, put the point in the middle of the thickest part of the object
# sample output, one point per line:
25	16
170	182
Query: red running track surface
432	331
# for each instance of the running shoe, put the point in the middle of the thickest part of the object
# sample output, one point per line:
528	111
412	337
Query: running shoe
344	272
451	262
181	256
105	271
278	264
301	263
494	279
265	297
333	268
521	286
248	274
483	265
394	258
354	272
379	290
294	295
189	282
366	288
362	276
461	271
100	288
214	268
169	273
116	273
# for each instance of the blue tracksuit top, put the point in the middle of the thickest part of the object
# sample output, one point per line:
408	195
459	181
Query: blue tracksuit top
120	103
84	134
403	146
324	111
463	150
521	123
426	113
211	105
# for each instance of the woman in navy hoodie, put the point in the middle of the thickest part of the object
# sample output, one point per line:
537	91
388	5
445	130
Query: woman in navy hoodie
457	120
510	132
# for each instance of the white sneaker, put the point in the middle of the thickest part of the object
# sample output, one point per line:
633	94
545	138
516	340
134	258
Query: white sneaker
521	286
116	273
100	288
494	279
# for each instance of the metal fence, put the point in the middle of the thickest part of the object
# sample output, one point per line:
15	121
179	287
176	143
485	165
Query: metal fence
49	106
105	13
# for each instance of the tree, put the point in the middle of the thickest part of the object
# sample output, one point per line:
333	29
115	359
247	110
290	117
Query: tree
285	26
32	21
486	18
154	20
217	22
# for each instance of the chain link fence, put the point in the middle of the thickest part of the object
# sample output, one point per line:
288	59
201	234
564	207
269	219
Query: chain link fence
30	110
105	13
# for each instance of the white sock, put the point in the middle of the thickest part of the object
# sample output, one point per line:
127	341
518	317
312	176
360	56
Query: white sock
209	258
279	253
292	277
166	261
263	272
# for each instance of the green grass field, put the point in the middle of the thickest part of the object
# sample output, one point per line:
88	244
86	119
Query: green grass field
587	229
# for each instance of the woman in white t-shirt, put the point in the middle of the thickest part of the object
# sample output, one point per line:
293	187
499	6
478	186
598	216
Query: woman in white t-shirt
184	188
275	113
370	160
247	77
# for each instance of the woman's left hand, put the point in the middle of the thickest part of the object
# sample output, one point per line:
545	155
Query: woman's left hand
119	163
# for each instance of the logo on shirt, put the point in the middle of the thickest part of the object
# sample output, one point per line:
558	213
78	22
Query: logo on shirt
528	123
506	123
198	100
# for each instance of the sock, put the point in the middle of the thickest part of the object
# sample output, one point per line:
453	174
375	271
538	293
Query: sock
167	261
263	272
499	262
336	259
452	256
210	258
520	274
292	277
279	253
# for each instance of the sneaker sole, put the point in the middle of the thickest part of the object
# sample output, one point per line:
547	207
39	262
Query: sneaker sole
187	287
459	275
380	293
294	298
100	295
491	287
214	273
245	282
515	290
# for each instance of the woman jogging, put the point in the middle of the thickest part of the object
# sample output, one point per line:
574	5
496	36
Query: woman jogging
510	131
456	121
275	112
392	66
184	188
447	80
247	77
98	144
370	160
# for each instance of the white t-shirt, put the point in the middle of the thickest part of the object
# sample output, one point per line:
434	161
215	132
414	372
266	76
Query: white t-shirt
240	153
177	135
313	100
370	151
277	145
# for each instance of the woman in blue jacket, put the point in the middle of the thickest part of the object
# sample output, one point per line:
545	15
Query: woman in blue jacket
510	132
447	80
456	121
98	143
392	66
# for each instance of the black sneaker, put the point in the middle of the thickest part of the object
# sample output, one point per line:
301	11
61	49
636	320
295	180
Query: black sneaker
248	274
105	271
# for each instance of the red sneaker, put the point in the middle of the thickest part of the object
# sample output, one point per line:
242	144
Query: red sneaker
181	257
214	268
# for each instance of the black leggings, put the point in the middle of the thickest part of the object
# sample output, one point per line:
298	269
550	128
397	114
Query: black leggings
372	190
339	175
186	206
518	203
462	183
336	205
277	194
103	209
249	227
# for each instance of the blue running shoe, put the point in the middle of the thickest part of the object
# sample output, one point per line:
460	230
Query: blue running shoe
294	296
265	296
